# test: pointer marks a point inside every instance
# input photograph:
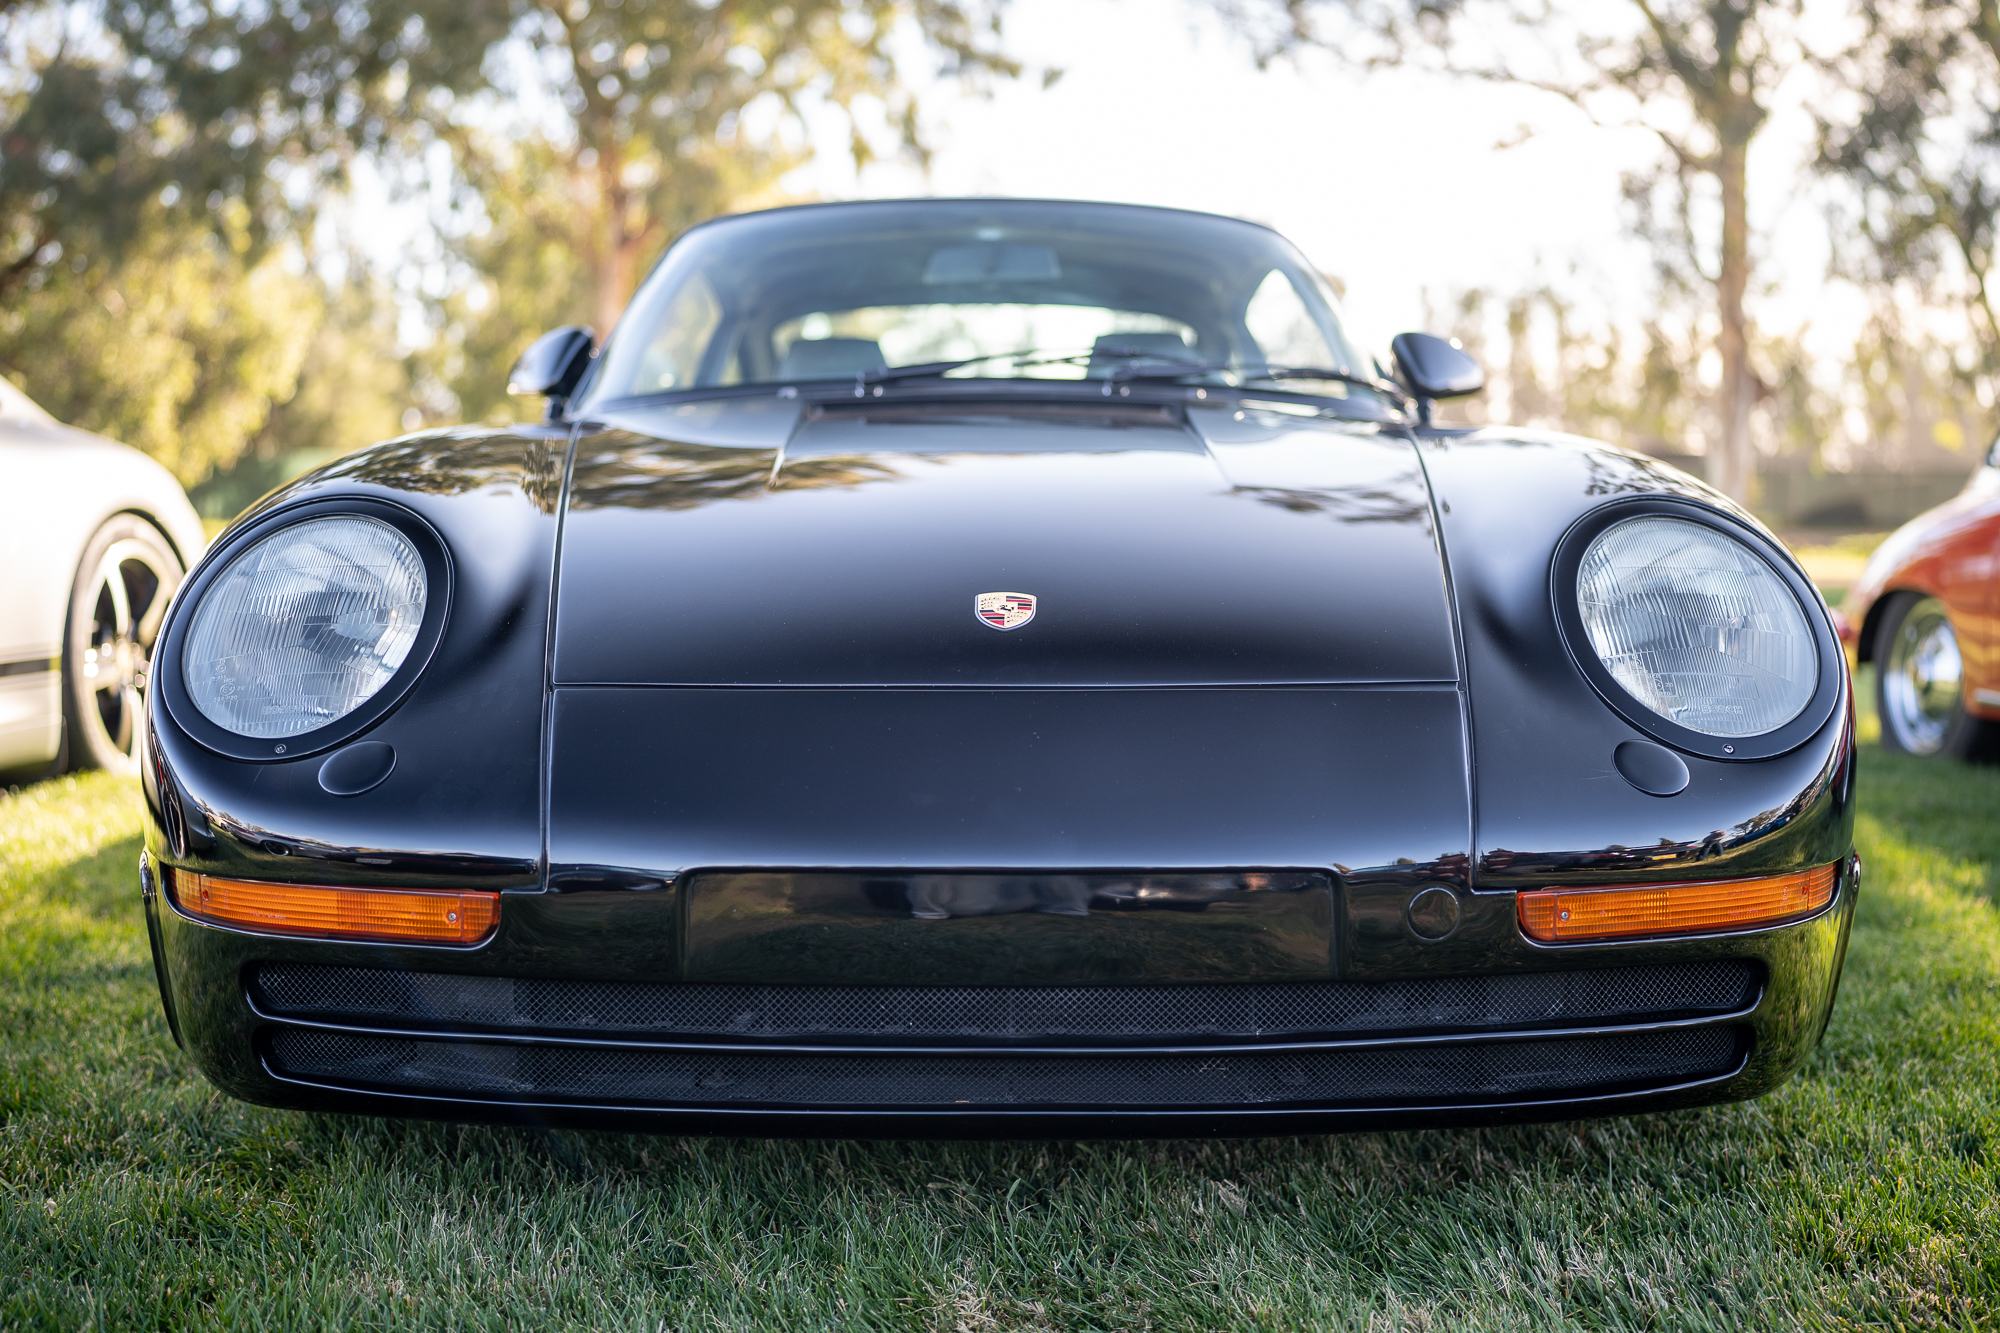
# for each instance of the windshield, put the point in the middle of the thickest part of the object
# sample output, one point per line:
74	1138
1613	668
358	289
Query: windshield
1024	289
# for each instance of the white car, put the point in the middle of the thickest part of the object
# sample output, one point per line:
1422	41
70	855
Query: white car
94	539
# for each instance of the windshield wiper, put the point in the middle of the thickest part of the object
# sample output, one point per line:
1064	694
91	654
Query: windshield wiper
1175	367
1192	367
1028	356
883	374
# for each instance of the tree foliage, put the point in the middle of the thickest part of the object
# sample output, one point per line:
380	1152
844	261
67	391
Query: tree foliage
150	146
235	115
658	102
534	253
179	348
160	168
1698	74
353	389
613	123
1920	144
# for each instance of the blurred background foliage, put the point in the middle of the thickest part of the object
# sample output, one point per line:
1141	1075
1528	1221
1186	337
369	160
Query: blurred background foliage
186	187
192	191
179	344
1905	96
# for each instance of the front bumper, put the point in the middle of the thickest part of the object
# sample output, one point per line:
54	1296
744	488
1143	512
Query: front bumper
528	1029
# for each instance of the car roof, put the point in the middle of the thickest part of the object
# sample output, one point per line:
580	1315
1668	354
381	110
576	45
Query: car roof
17	406
989	199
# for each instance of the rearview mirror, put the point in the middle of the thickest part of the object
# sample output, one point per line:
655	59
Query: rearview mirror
553	365
1435	367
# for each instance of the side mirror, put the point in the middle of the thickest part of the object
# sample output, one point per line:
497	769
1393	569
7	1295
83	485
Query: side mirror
1435	367
553	365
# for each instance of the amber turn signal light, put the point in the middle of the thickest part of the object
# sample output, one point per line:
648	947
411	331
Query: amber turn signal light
388	915
1561	915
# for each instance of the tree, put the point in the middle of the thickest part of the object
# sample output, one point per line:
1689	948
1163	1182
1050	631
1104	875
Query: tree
583	135
180	347
635	113
1920	145
658	98
352	390
1562	371
231	116
1698	74
537	251
144	178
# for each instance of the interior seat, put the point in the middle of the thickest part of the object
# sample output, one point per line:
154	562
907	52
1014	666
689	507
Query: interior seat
1167	345
830	358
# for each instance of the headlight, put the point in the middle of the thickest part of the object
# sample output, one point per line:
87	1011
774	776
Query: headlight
303	627
1697	626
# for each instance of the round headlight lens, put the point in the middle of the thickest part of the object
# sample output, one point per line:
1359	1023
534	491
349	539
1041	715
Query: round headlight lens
304	626
1697	626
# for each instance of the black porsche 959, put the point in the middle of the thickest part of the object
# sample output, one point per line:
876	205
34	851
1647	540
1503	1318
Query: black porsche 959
996	667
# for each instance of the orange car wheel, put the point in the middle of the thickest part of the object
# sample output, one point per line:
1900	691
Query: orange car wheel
1920	683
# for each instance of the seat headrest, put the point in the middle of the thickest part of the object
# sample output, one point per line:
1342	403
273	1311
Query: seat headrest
1165	344
830	358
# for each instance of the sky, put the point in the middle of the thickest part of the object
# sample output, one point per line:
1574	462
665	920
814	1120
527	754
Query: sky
1392	182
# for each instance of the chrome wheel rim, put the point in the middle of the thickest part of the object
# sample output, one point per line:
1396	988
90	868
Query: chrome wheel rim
128	599
1923	680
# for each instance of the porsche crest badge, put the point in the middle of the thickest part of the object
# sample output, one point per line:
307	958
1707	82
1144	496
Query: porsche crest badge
1004	610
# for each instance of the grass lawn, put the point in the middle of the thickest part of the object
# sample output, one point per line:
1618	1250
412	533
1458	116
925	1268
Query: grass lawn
131	1194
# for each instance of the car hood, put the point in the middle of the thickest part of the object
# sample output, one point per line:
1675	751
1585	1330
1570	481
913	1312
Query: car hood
772	544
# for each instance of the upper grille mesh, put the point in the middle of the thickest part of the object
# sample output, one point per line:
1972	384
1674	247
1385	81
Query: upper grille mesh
1003	1014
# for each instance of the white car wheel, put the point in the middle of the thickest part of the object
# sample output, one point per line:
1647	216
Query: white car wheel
127	576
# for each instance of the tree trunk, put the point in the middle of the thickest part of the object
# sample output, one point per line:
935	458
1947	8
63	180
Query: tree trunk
613	282
612	278
625	233
620	234
1982	294
1986	26
1729	461
632	244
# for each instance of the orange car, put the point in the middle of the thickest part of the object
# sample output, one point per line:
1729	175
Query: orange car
1924	612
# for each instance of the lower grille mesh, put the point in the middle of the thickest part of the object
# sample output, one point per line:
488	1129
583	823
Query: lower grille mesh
1459	1072
1003	1014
